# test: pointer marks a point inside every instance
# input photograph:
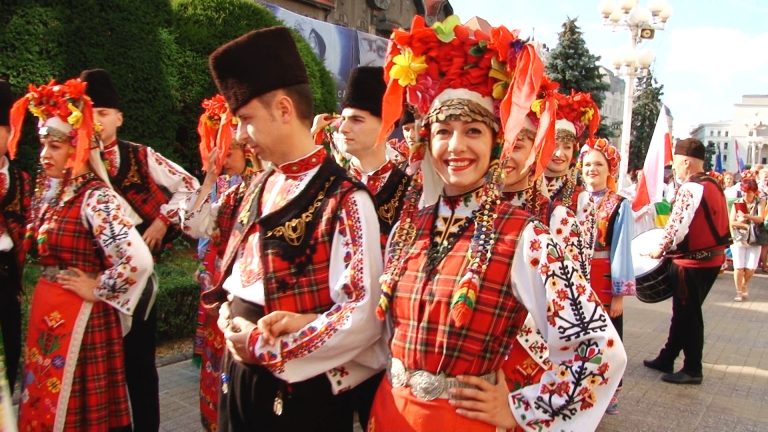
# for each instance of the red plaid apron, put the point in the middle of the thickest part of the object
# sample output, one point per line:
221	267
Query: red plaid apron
74	378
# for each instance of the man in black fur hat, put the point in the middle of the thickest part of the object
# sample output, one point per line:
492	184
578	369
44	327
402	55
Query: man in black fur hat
699	208
302	283
154	187
15	194
356	139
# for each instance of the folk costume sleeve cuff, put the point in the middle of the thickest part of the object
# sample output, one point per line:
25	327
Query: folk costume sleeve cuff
349	330
173	178
121	284
587	355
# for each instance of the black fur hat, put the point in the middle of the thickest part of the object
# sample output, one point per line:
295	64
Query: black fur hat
255	64
6	101
365	89
100	88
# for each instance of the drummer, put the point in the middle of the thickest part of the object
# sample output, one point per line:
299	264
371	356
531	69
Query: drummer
699	208
605	218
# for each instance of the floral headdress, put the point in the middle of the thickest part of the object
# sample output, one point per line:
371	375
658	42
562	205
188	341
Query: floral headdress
718	177
577	113
63	110
212	134
450	71
611	155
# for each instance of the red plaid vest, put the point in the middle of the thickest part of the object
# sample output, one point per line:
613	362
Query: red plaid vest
15	207
70	243
136	185
296	242
425	338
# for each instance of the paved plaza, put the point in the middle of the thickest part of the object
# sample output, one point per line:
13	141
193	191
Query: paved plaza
732	398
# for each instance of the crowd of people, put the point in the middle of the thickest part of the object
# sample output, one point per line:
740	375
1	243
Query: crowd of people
470	276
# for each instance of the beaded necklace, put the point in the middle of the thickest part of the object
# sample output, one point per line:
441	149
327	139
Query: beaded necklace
48	212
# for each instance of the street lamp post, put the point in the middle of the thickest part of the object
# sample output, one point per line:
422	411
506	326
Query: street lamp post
642	23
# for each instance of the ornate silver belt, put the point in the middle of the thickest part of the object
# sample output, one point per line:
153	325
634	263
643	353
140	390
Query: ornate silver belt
426	385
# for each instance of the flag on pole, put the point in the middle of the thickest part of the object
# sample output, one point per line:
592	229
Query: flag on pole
650	189
718	160
739	160
663	209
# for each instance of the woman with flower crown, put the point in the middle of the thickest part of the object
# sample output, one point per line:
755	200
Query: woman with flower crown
464	267
525	188
94	266
229	164
607	225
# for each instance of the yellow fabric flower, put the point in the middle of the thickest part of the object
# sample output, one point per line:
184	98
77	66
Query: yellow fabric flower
536	106
76	117
37	112
407	67
498	71
587	114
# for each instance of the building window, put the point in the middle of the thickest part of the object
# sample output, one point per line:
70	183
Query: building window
726	133
725	145
718	133
725	158
712	133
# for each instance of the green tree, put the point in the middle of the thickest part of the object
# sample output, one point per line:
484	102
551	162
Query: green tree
645	113
572	65
199	27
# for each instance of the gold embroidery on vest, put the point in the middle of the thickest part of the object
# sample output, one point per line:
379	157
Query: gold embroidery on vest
133	171
294	230
387	211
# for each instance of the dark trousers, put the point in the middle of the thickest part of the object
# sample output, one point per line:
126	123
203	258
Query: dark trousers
362	396
10	314
140	370
248	402
686	330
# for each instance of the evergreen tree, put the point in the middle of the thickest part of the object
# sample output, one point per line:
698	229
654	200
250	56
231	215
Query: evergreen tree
645	113
572	65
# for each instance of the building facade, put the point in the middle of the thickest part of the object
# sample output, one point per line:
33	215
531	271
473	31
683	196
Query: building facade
717	135
745	137
376	17
613	106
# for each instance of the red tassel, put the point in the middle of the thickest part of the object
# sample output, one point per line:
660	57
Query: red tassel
18	111
461	314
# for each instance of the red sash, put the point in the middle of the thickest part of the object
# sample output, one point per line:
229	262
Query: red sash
57	322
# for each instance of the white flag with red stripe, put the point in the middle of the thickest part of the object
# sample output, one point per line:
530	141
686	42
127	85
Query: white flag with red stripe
650	189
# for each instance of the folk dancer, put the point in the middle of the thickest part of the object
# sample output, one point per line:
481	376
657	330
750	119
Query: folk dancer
448	286
154	187
94	268
699	208
303	259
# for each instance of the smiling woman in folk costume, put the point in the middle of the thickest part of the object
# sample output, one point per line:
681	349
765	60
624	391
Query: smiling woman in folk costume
529	355
94	266
464	268
228	164
577	116
606	222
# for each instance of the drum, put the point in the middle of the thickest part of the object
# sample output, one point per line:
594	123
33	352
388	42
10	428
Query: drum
650	274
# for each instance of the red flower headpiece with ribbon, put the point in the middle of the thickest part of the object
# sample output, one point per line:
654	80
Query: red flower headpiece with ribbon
580	110
69	103
610	153
491	77
212	134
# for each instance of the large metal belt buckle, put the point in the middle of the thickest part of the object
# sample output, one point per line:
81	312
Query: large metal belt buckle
398	376
427	386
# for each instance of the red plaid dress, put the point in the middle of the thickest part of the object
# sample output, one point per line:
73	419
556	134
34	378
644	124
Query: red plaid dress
108	245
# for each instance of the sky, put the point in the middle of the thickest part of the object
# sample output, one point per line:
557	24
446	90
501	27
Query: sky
707	57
